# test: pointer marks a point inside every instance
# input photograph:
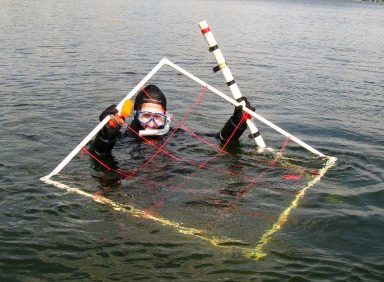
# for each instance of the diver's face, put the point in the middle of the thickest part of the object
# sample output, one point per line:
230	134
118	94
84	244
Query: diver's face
152	116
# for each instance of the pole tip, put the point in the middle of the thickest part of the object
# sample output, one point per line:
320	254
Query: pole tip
203	24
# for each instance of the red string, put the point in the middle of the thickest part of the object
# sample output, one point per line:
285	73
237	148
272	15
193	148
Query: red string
146	93
162	201
191	162
198	137
180	124
159	148
199	166
126	175
272	163
152	144
185	117
303	170
250	184
284	144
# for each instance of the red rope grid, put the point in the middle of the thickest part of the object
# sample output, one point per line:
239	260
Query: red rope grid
190	162
233	205
199	166
202	165
196	103
161	149
108	168
261	174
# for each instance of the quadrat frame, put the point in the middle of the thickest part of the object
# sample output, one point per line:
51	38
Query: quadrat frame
256	251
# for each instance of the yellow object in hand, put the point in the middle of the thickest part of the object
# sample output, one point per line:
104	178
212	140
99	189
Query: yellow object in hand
127	108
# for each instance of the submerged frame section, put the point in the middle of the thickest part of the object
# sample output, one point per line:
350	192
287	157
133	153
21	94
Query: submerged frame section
256	251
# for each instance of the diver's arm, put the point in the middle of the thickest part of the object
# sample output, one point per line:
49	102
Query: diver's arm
106	139
236	125
230	128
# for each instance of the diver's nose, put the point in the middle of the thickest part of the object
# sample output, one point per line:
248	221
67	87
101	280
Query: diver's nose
151	124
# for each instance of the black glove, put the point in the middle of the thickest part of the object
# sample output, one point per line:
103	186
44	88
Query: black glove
111	110
238	113
111	129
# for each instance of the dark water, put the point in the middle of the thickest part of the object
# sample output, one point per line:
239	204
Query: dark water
313	67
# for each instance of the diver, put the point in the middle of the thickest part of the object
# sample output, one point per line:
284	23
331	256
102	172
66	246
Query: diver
152	119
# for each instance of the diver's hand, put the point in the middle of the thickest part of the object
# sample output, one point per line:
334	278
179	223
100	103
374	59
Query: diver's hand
111	110
116	121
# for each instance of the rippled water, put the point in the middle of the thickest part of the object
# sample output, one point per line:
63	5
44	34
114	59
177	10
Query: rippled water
313	67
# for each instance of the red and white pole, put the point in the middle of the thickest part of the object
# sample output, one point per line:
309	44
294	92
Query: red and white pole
233	87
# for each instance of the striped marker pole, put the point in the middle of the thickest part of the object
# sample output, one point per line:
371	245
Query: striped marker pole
221	65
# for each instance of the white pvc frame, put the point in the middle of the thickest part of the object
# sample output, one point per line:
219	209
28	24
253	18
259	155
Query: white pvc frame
251	252
163	62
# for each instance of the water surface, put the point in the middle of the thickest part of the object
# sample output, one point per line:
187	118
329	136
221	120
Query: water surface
313	67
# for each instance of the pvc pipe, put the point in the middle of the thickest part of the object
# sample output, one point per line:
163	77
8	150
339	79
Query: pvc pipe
233	87
252	113
105	120
164	61
258	251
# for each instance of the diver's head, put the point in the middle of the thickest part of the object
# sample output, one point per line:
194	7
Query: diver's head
150	94
151	108
151	116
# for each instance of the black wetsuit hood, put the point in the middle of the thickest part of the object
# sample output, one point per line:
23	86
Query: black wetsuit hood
150	94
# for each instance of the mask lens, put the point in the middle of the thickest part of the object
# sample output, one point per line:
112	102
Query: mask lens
159	119
145	117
